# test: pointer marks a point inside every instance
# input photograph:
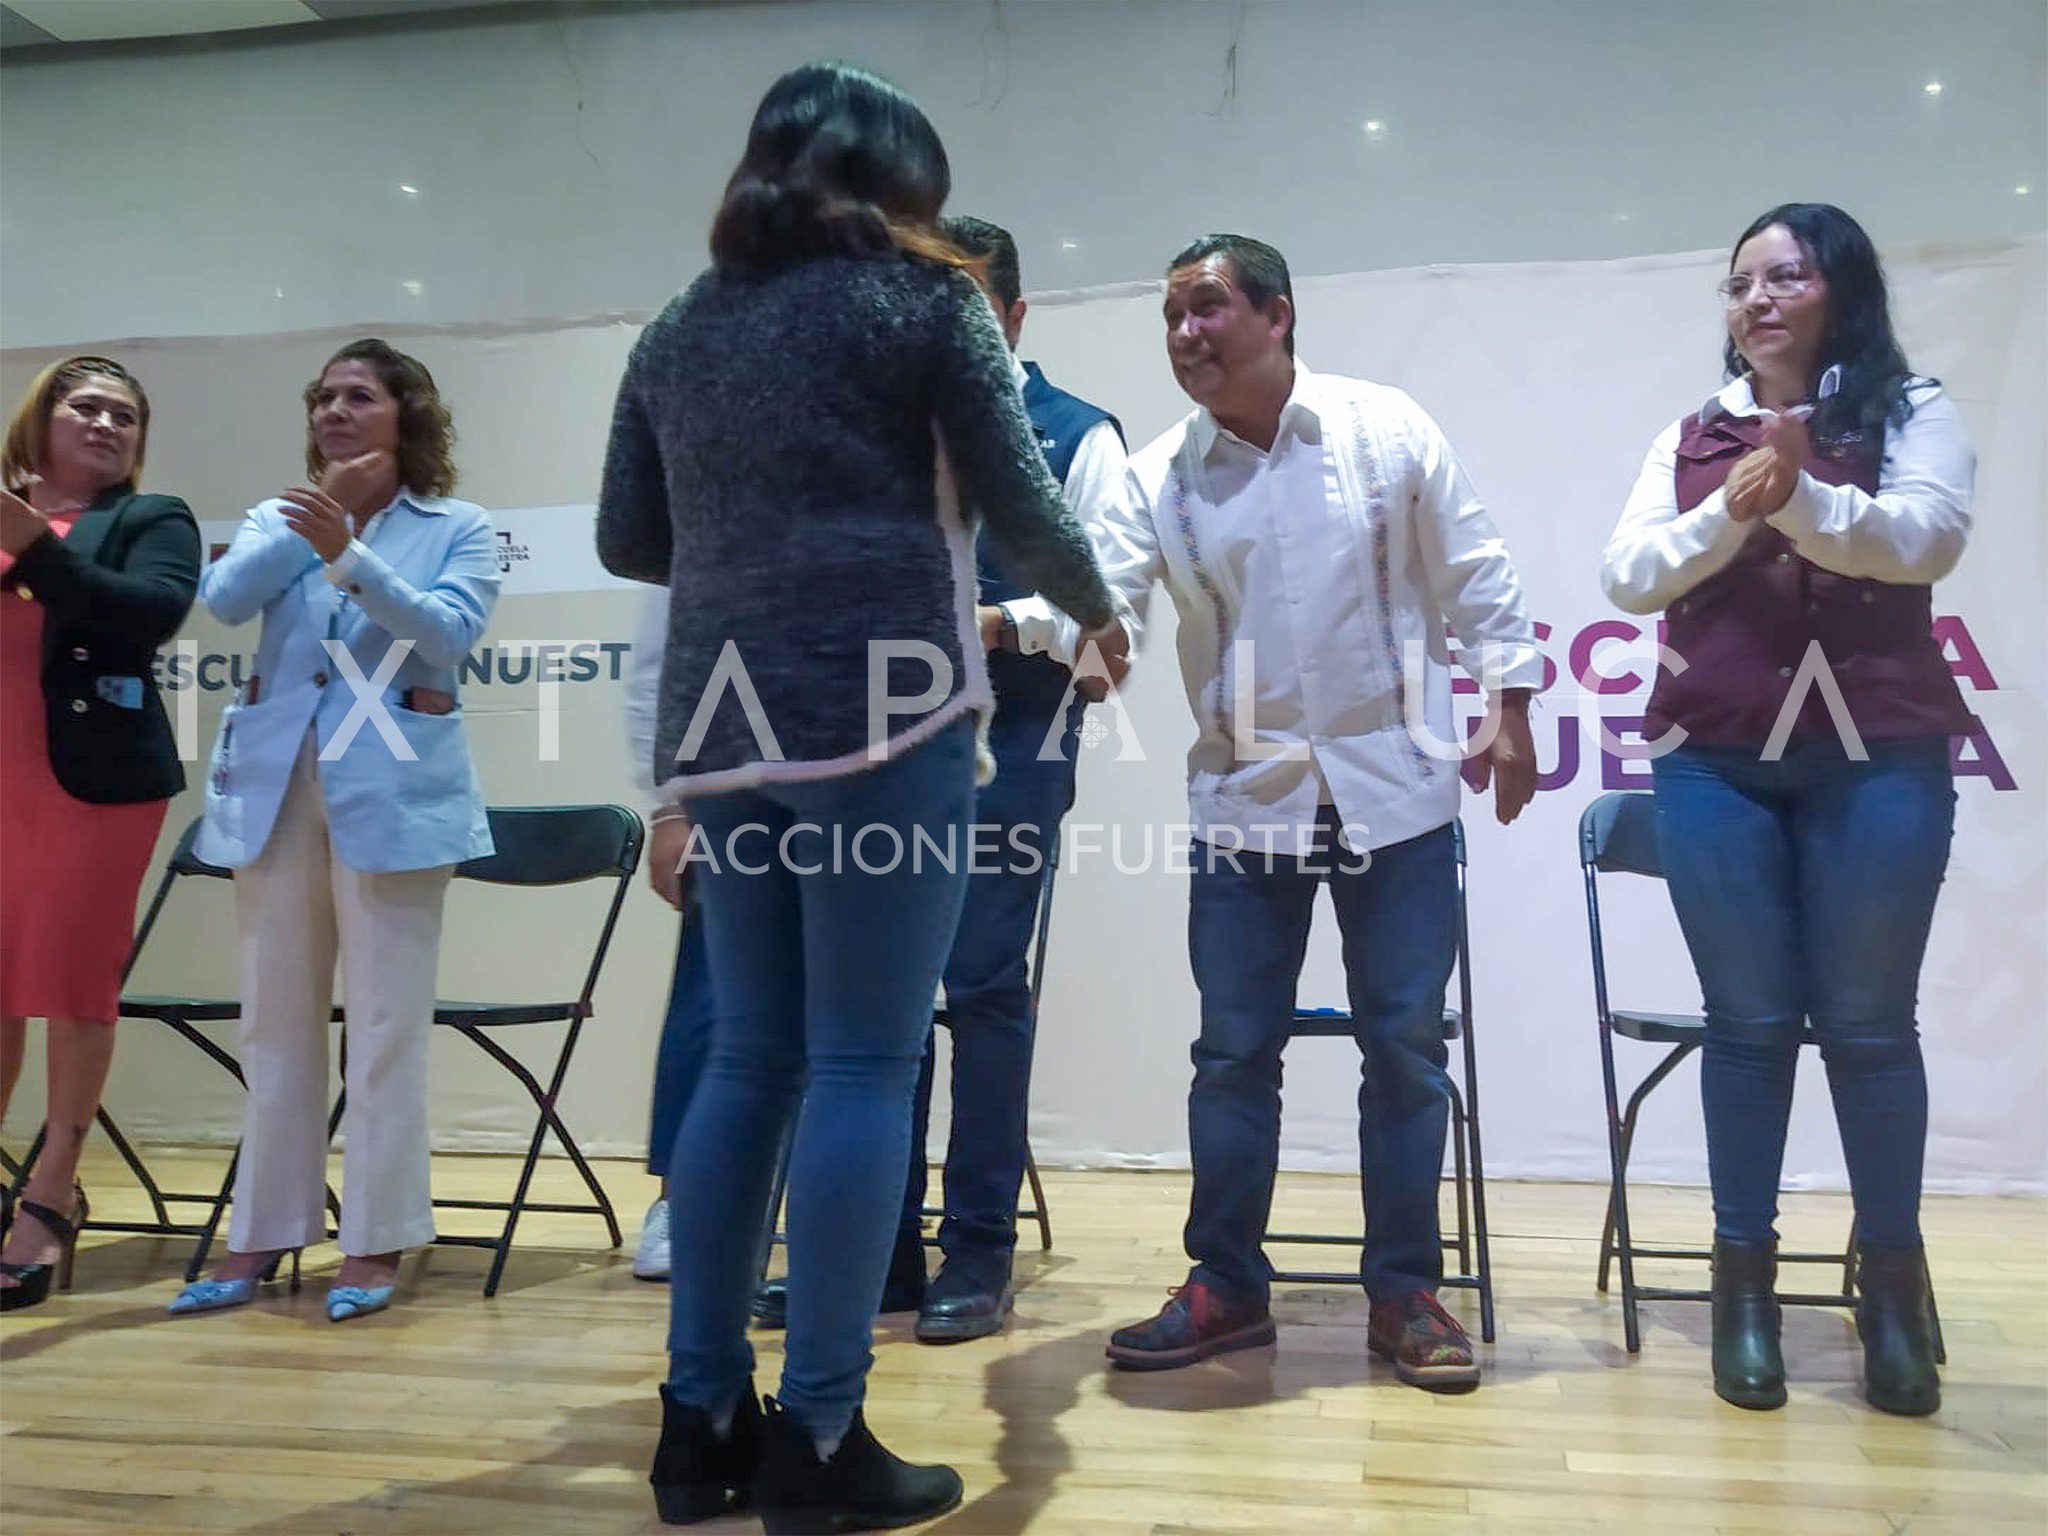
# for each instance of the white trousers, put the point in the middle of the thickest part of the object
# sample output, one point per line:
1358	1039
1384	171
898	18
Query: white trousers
297	904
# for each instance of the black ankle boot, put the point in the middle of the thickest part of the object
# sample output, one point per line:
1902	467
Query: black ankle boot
862	1487
1749	1370
1897	1325
699	1475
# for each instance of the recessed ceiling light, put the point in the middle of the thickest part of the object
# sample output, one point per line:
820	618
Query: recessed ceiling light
1932	87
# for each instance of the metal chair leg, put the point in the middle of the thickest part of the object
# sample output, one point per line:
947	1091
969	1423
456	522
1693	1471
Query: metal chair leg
1934	1316
1043	1214
136	1166
220	1204
778	1194
1482	1242
1459	1122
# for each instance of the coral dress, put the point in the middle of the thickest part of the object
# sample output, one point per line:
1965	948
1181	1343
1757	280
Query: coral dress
69	871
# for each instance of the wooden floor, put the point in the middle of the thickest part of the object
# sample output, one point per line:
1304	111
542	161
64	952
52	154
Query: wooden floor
535	1412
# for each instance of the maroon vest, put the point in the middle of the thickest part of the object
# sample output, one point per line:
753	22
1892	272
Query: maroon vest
1744	630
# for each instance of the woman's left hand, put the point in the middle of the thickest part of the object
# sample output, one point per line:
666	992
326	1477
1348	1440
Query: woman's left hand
1788	436
20	524
318	519
668	845
1788	441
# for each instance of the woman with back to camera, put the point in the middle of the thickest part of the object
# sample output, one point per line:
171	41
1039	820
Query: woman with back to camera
94	576
1801	516
343	810
777	458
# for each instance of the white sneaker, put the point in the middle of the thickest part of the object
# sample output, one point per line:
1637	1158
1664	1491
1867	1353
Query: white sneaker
650	1259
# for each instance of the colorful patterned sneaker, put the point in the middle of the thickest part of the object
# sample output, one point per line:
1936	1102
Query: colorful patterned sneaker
1197	1322
1428	1347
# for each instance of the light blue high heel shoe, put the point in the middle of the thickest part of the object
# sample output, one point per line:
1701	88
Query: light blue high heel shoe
218	1295
347	1301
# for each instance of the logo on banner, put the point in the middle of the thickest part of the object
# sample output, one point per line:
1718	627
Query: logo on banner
509	553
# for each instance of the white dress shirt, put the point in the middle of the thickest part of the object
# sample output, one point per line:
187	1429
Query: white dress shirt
1303	577
1912	531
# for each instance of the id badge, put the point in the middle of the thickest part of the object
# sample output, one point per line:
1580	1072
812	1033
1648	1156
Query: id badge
121	692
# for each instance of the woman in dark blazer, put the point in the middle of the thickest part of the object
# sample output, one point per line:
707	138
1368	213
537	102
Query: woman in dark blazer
94	576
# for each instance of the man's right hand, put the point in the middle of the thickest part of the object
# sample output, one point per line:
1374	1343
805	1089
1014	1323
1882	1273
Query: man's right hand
1111	647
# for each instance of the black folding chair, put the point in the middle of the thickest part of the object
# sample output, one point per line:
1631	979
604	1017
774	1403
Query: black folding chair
545	845
1618	835
1470	1241
537	845
182	1015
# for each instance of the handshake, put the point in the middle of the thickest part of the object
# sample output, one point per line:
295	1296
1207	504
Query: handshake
1104	654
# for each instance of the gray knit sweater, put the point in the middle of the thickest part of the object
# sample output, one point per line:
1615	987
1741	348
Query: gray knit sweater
773	461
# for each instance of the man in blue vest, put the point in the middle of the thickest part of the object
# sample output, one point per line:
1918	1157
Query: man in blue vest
988	996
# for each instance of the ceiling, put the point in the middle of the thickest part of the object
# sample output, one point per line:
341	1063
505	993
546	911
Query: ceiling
57	23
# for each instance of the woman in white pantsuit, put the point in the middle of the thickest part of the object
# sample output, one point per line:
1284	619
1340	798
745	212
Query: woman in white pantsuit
342	795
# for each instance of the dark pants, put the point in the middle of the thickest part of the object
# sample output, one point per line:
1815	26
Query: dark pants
988	999
685	1037
823	978
1247	933
1806	889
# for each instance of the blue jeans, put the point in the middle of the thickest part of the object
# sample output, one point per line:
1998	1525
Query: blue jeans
1805	889
1247	933
988	1000
685	1037
823	973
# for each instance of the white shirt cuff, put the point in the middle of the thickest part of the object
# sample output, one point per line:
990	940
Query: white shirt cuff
343	565
1035	622
1803	510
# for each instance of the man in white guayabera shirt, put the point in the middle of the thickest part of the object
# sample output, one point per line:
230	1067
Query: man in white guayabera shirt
1317	537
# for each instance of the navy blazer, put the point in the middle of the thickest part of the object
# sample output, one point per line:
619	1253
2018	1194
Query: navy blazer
113	590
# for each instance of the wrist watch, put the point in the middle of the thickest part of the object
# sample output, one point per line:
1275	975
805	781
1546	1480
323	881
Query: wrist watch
1006	630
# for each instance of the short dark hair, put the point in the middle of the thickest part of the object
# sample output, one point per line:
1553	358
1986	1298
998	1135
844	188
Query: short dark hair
998	251
1859	333
838	161
1261	271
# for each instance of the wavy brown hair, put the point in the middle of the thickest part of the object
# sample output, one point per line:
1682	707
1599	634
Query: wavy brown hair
426	432
28	434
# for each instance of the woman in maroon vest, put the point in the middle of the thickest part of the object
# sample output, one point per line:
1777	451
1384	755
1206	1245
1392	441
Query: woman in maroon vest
1791	530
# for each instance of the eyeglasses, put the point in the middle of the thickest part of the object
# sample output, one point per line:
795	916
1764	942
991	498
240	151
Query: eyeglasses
1785	281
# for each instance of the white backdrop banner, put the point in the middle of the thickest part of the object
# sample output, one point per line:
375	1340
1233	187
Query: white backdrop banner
1550	381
